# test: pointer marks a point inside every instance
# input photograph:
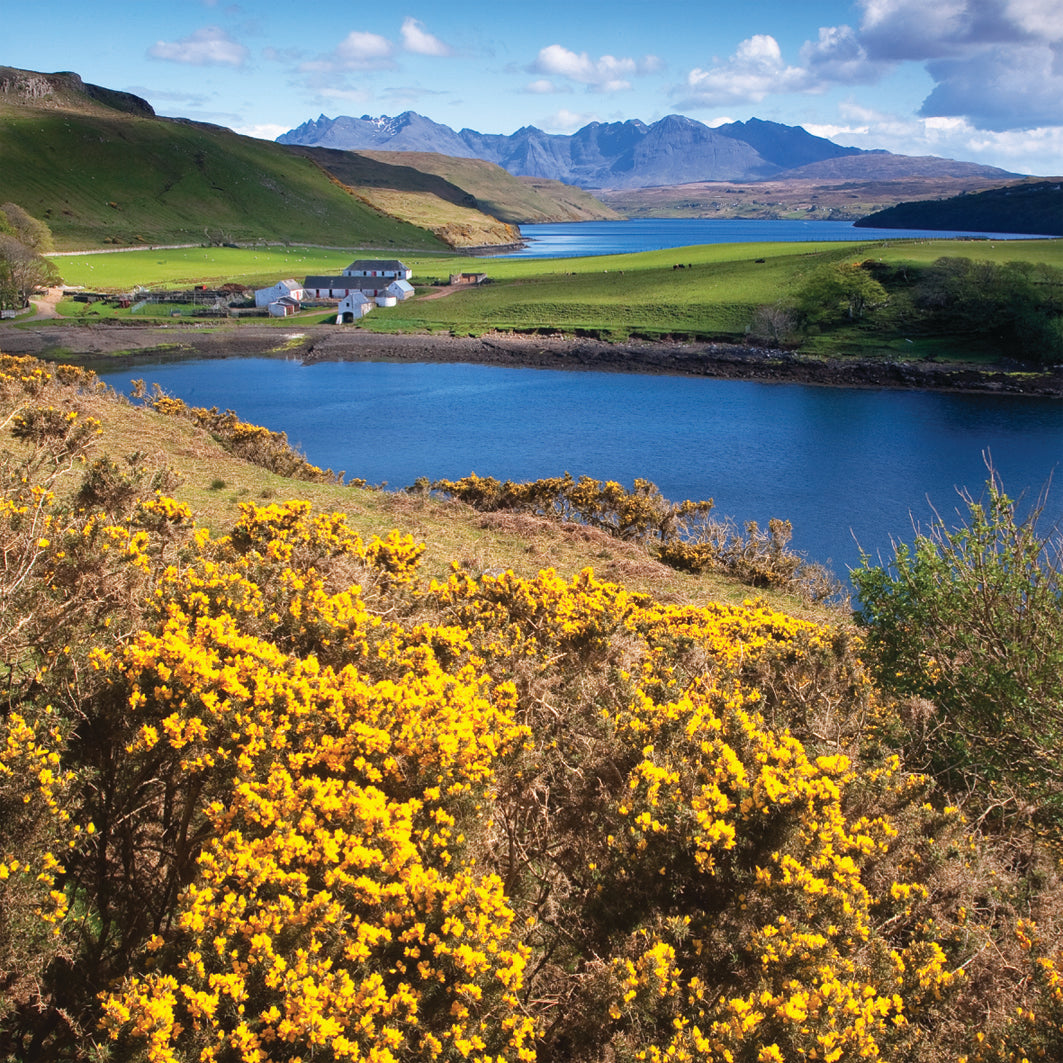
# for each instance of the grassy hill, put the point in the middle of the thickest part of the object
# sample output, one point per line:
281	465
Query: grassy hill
100	170
519	200
424	198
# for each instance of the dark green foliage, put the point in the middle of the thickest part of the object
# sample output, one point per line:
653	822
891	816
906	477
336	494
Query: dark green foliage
1014	309
1020	304
1031	207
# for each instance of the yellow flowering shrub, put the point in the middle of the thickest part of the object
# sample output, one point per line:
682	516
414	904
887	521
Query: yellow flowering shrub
272	795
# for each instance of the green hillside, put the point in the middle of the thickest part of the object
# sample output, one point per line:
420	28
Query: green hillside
101	175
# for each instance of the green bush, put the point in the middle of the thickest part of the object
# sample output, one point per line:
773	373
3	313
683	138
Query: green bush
970	619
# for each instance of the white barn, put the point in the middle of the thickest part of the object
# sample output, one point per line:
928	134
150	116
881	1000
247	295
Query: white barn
287	289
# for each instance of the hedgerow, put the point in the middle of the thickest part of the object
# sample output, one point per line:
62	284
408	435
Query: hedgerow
274	796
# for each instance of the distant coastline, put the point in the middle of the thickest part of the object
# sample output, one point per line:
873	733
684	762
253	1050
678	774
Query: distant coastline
117	346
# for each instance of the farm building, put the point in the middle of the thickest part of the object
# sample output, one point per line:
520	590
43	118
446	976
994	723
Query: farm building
391	278
378	269
283	307
401	289
352	307
287	289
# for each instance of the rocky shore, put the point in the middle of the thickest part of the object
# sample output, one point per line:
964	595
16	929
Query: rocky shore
115	346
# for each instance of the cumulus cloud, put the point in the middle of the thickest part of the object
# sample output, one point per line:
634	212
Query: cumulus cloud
565	121
605	74
357	51
756	70
1015	87
209	46
838	55
997	62
541	87
415	38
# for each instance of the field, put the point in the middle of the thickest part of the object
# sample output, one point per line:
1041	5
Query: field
714	294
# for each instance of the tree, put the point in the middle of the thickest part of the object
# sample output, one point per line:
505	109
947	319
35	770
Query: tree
844	290
21	270
28	230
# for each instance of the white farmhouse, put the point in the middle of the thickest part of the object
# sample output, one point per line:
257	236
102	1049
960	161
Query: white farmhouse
371	276
374	269
288	289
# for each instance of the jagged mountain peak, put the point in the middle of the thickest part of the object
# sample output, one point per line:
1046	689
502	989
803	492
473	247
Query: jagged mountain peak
673	150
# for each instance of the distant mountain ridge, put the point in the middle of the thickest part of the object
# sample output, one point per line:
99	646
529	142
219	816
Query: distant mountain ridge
675	150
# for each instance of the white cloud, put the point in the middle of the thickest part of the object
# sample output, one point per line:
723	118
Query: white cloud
565	121
605	74
541	87
209	46
756	70
838	55
415	38
357	51
346	95
1036	151
261	132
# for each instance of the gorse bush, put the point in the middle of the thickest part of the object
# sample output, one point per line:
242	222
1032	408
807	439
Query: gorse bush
681	534
253	443
274	795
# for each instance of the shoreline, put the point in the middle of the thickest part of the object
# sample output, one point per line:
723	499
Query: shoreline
116	346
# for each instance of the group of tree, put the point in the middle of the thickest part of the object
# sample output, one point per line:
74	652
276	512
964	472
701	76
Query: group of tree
1015	309
273	795
23	268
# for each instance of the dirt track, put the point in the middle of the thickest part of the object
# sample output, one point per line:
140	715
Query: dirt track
116	346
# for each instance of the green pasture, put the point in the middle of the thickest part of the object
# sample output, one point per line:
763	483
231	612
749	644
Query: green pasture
714	293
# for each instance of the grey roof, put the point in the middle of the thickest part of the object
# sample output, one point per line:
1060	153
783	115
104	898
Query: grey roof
331	282
363	265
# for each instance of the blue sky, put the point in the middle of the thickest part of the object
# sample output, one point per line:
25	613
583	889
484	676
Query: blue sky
970	79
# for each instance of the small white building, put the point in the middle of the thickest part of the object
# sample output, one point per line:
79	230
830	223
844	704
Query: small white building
386	300
352	307
287	289
283	307
401	289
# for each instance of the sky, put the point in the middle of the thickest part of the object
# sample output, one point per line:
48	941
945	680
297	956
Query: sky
979	80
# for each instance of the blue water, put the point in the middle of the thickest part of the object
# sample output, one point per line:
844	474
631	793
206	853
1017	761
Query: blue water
573	239
844	465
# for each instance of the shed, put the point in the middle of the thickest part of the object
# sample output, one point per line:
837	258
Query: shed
352	307
283	307
400	289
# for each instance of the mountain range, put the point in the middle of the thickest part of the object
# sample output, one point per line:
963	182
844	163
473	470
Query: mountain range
627	155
